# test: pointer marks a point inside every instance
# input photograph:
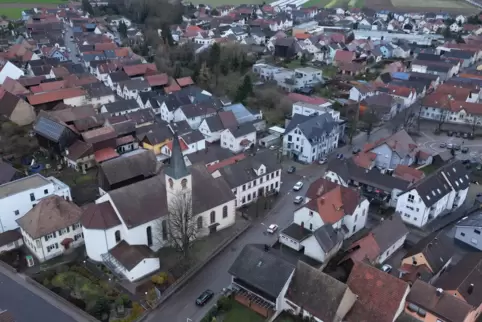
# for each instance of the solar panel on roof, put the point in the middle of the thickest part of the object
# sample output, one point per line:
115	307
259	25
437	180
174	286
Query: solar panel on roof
49	129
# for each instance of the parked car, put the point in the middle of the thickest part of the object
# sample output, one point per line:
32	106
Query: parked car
273	147
291	169
322	160
298	200
456	147
387	268
457	134
204	297
450	133
450	146
466	135
272	228
339	156
298	186
443	145
356	150
465	149
466	161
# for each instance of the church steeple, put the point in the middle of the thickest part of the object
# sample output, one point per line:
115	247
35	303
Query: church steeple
177	167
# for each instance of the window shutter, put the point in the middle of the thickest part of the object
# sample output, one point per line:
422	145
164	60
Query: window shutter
55	235
68	229
47	238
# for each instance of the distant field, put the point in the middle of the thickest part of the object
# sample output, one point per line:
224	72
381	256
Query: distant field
335	3
34	1
223	2
438	4
12	13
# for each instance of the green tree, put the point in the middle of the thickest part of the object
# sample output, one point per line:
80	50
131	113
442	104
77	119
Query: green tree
215	12
167	35
87	7
245	90
10	26
303	60
204	78
122	29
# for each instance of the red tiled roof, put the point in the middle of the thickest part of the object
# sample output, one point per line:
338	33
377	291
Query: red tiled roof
193	28
380	295
157	80
222	164
344	56
295	97
174	87
302	36
13	86
363	249
407	173
185	81
365	159
139	69
184	147
105	154
48	87
58	95
105	46
122	52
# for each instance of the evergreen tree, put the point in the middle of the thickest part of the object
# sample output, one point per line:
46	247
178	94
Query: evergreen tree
167	35
122	29
245	90
303	60
204	77
214	56
87	7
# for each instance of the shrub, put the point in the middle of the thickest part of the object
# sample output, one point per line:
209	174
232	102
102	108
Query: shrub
127	301
224	304
47	283
160	278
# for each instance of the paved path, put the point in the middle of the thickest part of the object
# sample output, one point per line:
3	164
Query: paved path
28	304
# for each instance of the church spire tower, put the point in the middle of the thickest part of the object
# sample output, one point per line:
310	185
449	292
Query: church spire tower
178	176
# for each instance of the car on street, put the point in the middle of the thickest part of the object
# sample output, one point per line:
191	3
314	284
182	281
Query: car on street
298	186
273	147
450	133
466	135
465	149
456	147
298	200
457	134
204	297
291	169
356	150
272	228
387	268
450	146
339	156
443	145
322	160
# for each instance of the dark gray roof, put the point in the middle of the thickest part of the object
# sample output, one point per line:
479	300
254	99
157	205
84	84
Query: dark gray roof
212	153
214	123
8	173
437	248
438	184
388	232
242	129
145	96
328	237
118	76
135	84
97	89
241	172
264	270
121	105
459	54
312	126
177	167
180	127
297	232
131	255
472	221
201	109
316	292
192	137
174	100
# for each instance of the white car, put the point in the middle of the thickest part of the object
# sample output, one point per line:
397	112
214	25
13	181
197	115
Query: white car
322	160
386	268
298	186
298	200
272	228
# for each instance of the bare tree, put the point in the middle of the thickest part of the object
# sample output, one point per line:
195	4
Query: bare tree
181	226
441	120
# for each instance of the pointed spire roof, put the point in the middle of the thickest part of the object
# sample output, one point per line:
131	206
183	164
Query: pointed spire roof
177	167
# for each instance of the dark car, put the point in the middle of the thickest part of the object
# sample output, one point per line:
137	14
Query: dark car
356	150
466	161
465	149
457	134
450	133
456	147
204	297
291	169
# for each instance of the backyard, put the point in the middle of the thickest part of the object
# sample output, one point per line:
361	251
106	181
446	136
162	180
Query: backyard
229	310
13	9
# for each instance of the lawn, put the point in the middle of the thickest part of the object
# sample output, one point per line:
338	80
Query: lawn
448	4
240	313
12	13
33	1
225	2
429	169
316	3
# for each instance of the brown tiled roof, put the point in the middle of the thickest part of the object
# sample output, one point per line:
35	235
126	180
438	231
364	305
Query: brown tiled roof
58	95
71	114
13	86
379	294
173	87
444	306
185	81
131	255
363	249
344	56
48	87
79	149
99	216
50	214
8	103
365	159
105	46
157	80
105	154
460	276
100	134
320	186
30	81
407	173
412	273
228	119
139	69
9	236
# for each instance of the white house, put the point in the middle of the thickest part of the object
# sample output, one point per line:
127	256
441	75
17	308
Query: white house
360	91
310	138
239	138
308	109
441	192
19	196
52	228
251	177
129	223
193	113
115	21
7	69
213	126
130	89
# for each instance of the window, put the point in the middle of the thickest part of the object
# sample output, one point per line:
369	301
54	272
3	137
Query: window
311	213
364	212
225	211
477	231
244	187
199	222
249	197
411	198
16	212
354	228
184	183
462	234
32	197
149	236
311	226
213	217
254	194
164	229
38	243
117	236
356	217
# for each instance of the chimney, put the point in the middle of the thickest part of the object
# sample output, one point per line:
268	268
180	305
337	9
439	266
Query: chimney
439	291
470	289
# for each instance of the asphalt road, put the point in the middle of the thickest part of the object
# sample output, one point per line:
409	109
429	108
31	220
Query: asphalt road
69	44
25	305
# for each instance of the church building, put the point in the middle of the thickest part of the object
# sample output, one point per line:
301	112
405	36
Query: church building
125	227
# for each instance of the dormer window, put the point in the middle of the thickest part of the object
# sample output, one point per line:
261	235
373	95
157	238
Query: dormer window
171	183
184	183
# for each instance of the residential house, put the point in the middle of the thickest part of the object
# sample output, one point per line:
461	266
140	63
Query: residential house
80	156
383	105
468	231
16	109
284	47
380	297
434	252
52	228
310	138
239	138
249	177
131	88
10	240
434	195
120	107
343	57
195	113
113	79
53	136
361	90
309	109
156	138
382	242
260	288
125	241
425	302
309	287
213	126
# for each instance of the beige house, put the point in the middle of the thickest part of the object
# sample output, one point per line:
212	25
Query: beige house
16	109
